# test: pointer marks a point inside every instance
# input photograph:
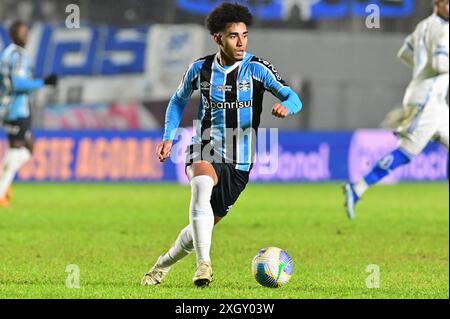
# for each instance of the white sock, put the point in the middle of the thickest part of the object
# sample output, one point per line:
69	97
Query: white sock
14	159
201	216
360	187
182	247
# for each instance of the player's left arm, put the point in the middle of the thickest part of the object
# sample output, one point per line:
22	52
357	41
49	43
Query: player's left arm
440	49
20	83
290	103
273	82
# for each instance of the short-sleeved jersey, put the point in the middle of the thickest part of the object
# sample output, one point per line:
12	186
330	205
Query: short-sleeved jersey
430	38
231	101
14	62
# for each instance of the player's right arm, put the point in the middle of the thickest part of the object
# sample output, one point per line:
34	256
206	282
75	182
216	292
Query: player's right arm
406	52
176	107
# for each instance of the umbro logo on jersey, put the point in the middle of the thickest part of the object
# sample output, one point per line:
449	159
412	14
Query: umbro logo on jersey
205	85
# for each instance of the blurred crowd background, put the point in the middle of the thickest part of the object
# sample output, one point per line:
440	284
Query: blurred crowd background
133	12
346	73
120	66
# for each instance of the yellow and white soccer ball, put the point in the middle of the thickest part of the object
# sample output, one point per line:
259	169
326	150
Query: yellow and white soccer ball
272	267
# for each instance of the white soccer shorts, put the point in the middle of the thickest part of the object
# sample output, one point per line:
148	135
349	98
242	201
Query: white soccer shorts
423	125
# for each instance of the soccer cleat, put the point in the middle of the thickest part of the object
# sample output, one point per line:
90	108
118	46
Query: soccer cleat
204	275
350	200
155	275
4	202
8	194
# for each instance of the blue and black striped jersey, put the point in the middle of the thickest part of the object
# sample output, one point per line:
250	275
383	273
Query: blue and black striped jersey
231	100
16	83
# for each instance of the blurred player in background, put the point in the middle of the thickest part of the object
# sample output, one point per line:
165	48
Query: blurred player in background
231	83
426	113
16	86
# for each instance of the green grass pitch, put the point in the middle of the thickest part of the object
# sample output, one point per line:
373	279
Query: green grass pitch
114	233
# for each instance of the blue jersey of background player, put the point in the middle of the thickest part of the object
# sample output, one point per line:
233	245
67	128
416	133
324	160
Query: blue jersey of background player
231	84
16	85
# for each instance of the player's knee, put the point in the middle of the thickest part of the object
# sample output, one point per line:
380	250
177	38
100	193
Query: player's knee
17	144
203	168
201	183
201	189
411	148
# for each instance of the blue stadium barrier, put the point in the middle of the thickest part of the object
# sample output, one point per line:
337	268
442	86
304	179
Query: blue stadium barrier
125	156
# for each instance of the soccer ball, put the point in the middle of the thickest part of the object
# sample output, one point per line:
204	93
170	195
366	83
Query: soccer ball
272	267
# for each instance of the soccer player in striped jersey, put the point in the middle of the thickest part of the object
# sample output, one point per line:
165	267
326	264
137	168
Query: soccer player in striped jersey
232	83
426	52
16	86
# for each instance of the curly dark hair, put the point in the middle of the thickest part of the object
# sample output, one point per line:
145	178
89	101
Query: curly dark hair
225	13
14	28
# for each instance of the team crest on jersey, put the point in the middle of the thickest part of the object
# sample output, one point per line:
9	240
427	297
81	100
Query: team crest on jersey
244	86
